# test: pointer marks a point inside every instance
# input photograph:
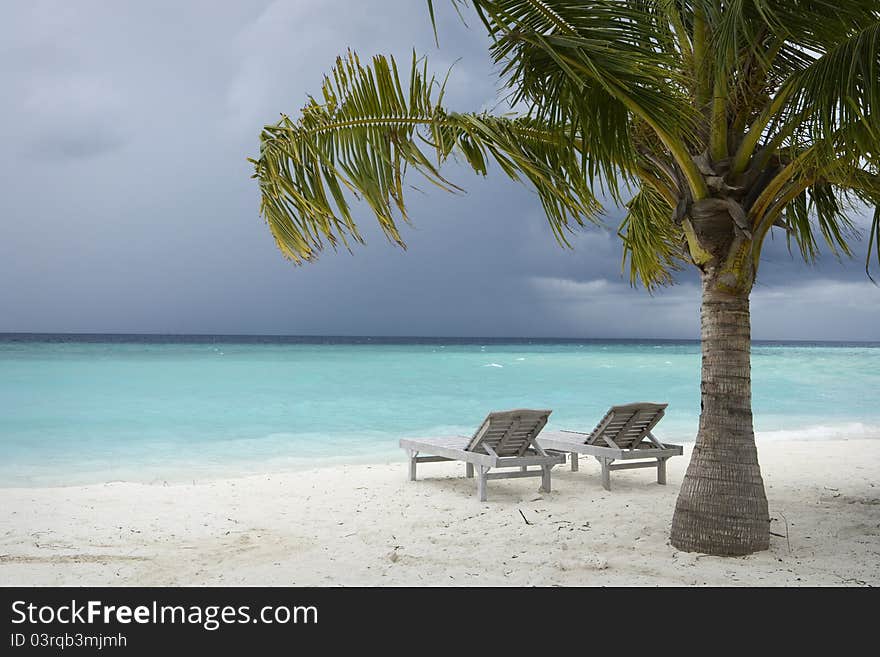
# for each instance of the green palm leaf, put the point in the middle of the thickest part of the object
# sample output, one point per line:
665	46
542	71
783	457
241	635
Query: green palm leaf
616	95
369	129
652	243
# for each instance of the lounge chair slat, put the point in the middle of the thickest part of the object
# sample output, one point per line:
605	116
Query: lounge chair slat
623	433
505	439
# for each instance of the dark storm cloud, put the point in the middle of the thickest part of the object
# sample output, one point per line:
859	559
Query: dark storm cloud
126	202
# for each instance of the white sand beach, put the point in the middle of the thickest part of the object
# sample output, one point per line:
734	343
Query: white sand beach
368	525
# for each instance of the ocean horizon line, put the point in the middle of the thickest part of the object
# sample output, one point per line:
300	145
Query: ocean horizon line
282	338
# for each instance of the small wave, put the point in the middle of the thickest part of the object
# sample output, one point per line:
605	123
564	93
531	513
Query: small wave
493	365
520	358
847	431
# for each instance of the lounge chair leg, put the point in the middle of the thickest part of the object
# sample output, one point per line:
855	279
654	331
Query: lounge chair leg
481	482
545	478
606	473
661	471
574	462
469	470
412	465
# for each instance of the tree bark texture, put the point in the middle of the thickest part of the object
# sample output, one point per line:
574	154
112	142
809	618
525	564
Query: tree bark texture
722	507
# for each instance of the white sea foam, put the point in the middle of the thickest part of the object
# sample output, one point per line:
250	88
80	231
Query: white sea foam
493	365
686	431
844	431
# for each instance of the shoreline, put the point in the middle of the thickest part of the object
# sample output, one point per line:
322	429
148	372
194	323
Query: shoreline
183	472
367	525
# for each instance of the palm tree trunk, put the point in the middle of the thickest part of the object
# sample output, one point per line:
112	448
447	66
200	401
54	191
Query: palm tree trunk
722	508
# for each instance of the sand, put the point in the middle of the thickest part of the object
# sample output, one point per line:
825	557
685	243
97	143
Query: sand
368	525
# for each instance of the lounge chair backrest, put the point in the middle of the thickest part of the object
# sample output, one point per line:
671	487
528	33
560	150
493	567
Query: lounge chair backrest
508	433
626	426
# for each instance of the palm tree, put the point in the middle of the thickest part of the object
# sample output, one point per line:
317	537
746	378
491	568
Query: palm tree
713	122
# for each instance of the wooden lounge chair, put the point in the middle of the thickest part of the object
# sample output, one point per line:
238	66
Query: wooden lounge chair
505	439
623	434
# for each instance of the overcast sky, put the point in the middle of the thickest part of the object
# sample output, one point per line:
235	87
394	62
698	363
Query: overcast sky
126	203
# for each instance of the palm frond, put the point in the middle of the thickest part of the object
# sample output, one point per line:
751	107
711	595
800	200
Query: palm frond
819	210
772	104
368	130
615	57
840	88
873	241
652	242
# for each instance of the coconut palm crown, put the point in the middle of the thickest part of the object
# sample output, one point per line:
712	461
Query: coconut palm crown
713	122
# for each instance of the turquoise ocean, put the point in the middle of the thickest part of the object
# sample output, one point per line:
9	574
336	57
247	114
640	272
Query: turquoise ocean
89	409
